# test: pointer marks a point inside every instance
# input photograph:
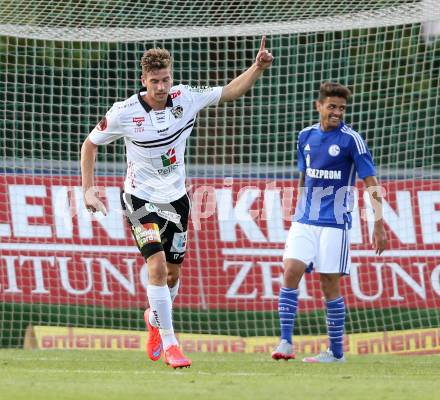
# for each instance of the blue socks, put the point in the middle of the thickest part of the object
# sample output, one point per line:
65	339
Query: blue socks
335	325
287	304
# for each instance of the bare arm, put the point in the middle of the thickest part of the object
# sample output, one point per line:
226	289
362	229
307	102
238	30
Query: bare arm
375	193
242	83
91	199
88	155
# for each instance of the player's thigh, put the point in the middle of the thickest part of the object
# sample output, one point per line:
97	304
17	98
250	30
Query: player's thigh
301	243
175	235
146	226
334	251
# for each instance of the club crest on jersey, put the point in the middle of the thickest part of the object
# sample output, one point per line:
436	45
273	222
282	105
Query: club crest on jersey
177	111
138	121
102	125
169	158
334	150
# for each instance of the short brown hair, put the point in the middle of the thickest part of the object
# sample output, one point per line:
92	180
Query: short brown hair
155	59
329	89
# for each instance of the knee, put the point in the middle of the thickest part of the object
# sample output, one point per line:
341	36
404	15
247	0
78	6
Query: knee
327	291
330	286
290	274
157	271
293	272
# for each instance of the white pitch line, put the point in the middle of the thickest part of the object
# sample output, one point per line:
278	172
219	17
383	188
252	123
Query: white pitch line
143	372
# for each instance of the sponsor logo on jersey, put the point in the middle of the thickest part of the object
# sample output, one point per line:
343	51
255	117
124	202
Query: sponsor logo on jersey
138	120
165	214
323	173
307	148
177	111
102	125
146	233
179	242
169	162
160	116
169	158
200	89
175	94
121	107
167	170
334	150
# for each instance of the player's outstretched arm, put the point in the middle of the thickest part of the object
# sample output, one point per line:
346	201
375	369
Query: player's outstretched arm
242	83
91	199
379	234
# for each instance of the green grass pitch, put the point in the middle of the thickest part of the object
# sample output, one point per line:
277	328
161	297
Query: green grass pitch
78	375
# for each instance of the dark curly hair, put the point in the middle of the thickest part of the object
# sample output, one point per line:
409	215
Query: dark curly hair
155	59
329	89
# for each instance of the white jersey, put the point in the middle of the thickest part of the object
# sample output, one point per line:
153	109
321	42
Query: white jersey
155	140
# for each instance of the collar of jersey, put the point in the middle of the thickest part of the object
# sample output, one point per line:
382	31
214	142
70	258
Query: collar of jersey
332	131
146	106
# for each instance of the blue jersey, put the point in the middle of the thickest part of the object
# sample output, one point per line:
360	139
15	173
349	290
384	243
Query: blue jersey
329	161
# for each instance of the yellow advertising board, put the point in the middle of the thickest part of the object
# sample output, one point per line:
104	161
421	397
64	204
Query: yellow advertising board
69	338
409	342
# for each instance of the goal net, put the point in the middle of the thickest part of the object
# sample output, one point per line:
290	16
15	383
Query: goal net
63	64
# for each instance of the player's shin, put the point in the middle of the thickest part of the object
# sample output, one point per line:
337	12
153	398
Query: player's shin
335	325
287	305
160	303
173	293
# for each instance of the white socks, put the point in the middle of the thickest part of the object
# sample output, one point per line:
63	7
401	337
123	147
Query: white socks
174	290
160	315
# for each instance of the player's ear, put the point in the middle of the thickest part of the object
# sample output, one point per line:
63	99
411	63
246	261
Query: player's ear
318	105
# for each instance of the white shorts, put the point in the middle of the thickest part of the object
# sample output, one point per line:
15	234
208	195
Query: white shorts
327	248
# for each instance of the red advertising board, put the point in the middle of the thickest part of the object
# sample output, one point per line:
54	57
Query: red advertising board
53	251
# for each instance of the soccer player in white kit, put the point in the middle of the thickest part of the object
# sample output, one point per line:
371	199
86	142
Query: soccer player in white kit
155	124
329	155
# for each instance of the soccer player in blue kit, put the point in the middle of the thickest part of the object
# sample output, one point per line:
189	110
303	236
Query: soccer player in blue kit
329	155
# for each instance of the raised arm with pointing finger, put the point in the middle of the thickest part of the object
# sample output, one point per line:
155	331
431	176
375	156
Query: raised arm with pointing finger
155	123
242	83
